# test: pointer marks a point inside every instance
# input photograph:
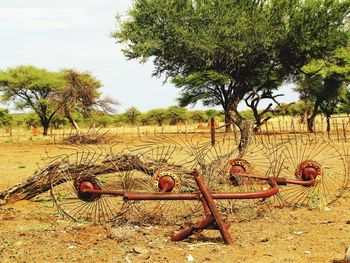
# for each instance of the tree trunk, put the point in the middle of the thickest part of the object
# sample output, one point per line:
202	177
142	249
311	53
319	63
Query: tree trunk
243	125
41	181
46	128
228	123
72	121
328	119
311	119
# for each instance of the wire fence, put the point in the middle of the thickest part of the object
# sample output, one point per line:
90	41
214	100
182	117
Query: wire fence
273	131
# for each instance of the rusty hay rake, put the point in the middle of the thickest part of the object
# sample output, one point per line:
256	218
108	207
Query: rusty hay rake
167	180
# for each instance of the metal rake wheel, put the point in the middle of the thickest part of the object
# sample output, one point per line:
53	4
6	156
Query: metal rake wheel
164	164
83	169
305	158
224	169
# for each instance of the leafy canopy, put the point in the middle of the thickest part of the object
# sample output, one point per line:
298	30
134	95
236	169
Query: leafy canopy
219	51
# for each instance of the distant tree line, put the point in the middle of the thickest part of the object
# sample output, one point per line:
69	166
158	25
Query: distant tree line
174	115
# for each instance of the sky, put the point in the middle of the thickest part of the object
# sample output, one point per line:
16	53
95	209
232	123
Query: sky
58	34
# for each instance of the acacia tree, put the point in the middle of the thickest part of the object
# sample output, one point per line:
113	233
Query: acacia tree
32	88
344	106
218	51
51	93
131	115
176	114
157	115
5	118
324	83
81	93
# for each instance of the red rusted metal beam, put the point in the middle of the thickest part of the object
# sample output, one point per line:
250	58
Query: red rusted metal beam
280	180
303	183
213	209
212	130
195	196
200	226
187	196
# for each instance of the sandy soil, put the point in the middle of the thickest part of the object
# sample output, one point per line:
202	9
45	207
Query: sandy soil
34	232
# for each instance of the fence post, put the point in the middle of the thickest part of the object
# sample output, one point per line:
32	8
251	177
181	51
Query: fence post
273	133
212	130
336	127
344	130
279	126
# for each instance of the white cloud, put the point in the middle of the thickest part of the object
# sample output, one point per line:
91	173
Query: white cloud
41	19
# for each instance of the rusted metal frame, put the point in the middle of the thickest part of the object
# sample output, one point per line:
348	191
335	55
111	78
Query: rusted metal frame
199	227
187	196
212	207
280	180
302	183
195	196
212	131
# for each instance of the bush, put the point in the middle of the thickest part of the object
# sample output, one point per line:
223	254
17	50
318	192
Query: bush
6	119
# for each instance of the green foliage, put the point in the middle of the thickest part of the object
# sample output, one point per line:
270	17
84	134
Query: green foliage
52	95
32	88
59	121
118	119
300	108
144	119
157	116
247	114
345	102
198	116
211	113
325	83
220	51
6	119
176	114
99	119
31	120
131	115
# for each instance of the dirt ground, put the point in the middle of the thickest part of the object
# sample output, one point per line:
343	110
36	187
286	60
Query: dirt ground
33	231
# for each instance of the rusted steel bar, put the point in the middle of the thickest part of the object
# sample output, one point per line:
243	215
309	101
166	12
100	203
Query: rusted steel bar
195	196
190	196
103	192
212	130
213	209
205	206
187	232
280	180
303	183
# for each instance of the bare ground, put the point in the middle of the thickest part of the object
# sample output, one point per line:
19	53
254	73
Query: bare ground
32	231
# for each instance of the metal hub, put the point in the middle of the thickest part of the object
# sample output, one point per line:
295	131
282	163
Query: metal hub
237	166
87	182
308	170
166	181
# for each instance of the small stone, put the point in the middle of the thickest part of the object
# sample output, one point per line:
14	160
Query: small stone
326	209
18	244
298	233
266	239
190	258
348	222
347	254
140	250
71	247
120	233
63	223
307	252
